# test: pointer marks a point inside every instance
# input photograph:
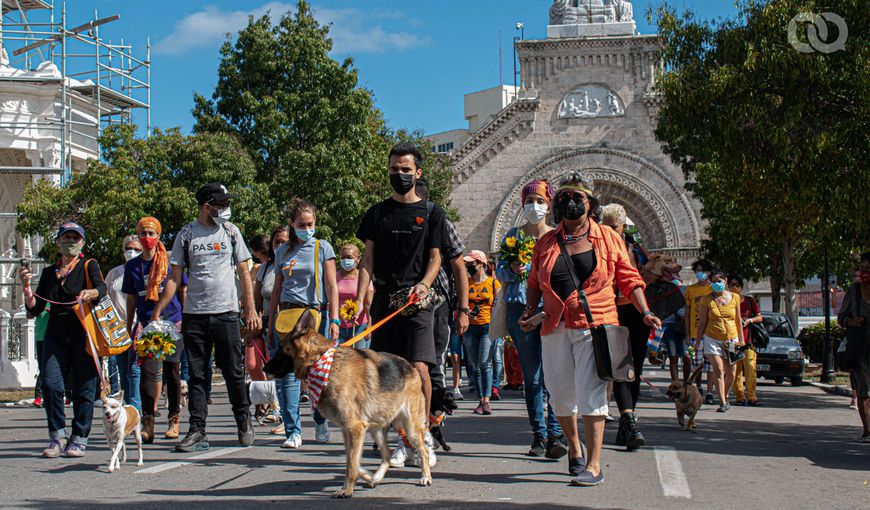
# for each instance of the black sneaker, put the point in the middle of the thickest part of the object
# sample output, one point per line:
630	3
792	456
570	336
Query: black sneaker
246	433
557	447
538	448
194	441
709	399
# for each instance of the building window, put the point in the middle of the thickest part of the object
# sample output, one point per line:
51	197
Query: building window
444	148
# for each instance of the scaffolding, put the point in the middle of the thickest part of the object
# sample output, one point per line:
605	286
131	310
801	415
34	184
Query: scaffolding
89	69
61	85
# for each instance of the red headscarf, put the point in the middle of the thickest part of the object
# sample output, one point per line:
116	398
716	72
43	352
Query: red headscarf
160	264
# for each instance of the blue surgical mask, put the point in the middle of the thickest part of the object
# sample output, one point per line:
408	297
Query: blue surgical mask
677	282
718	286
701	276
348	264
304	234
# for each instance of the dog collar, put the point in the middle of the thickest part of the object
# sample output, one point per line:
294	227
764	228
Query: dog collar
318	377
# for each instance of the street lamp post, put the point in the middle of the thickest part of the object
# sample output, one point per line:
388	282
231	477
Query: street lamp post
828	357
522	28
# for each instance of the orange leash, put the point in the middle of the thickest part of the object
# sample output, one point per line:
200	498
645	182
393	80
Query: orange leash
412	299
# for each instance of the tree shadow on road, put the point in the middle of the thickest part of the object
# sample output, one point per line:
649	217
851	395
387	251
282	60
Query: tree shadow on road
360	500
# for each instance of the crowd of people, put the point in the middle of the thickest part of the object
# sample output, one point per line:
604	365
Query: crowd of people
230	298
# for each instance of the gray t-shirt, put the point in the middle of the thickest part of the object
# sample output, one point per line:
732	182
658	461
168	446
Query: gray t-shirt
211	276
296	262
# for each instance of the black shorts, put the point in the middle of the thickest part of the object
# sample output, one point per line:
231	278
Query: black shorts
412	338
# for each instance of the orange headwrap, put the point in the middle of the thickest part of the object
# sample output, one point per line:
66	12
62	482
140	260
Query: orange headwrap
160	264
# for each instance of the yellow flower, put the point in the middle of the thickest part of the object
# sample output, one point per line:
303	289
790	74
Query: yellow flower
348	310
510	242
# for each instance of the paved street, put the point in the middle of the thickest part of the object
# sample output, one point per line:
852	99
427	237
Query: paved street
798	451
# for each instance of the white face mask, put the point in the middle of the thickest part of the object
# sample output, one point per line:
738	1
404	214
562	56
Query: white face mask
534	212
223	216
348	264
131	254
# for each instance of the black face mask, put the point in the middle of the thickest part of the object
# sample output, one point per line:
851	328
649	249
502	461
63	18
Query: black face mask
402	183
570	207
472	269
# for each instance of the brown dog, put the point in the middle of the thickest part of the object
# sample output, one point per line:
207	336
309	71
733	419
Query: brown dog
687	399
660	268
365	391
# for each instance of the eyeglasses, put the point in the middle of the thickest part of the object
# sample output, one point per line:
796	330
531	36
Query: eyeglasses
735	284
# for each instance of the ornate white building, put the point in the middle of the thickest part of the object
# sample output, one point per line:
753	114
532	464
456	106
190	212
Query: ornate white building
585	103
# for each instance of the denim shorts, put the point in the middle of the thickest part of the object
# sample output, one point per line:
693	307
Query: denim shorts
455	341
675	343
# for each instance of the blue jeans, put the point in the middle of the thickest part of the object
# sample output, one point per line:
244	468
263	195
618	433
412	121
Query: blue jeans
114	376
289	388
65	354
130	374
480	356
345	334
529	350
497	356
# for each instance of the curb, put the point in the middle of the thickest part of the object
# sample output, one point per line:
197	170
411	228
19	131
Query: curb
843	391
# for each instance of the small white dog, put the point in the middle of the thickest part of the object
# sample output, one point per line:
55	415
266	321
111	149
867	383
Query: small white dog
119	421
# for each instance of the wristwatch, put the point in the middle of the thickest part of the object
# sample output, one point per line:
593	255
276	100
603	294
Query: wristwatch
465	310
644	314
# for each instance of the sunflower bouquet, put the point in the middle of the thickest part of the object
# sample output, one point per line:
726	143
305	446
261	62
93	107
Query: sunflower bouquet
517	248
348	310
158	341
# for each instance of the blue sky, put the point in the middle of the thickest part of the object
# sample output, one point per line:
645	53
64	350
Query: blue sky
419	57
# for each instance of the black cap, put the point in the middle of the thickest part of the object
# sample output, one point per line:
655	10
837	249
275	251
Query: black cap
212	192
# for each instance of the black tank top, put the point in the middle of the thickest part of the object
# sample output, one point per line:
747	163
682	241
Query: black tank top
560	279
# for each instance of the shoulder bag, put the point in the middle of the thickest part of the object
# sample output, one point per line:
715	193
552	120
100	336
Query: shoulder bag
106	333
613	360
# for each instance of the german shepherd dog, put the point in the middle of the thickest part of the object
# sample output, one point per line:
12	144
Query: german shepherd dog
366	391
687	399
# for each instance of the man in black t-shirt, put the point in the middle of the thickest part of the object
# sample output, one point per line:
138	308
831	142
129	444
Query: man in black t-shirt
403	236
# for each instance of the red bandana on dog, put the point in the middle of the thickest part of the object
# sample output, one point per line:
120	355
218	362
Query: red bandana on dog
318	377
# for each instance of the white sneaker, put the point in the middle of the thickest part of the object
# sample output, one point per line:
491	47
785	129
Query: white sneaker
321	432
294	441
457	395
399	456
430	445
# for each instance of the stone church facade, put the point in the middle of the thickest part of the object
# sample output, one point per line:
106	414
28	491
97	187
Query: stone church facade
586	103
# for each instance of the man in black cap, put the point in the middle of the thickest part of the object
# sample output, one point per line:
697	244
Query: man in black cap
213	252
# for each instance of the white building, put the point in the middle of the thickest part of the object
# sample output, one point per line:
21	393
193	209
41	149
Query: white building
56	96
480	108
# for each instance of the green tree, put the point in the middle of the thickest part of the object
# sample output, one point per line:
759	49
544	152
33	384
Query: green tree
311	130
157	176
773	142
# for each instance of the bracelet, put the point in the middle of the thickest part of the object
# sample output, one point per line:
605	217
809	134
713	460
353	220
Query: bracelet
644	314
425	285
337	322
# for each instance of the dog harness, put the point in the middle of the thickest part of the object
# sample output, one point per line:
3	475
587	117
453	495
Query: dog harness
318	377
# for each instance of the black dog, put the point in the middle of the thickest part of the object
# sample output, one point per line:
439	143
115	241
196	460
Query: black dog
442	404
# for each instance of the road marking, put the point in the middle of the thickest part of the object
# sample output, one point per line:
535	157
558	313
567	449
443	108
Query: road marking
671	475
190	460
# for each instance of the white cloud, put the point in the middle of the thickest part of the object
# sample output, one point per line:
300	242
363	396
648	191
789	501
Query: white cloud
352	31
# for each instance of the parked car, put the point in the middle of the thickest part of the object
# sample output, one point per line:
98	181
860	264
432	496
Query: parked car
783	358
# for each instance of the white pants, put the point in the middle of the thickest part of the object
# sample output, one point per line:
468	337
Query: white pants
569	369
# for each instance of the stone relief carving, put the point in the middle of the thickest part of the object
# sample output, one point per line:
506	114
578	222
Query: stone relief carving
572	12
589	101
